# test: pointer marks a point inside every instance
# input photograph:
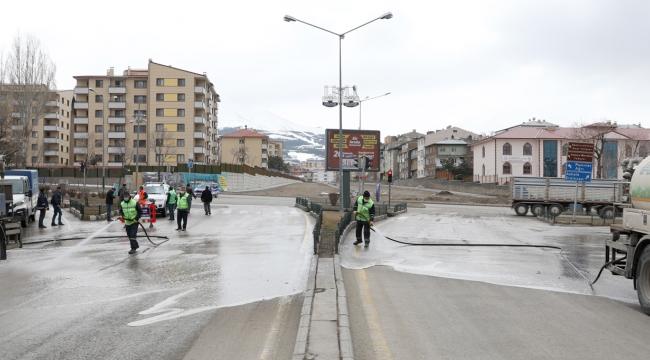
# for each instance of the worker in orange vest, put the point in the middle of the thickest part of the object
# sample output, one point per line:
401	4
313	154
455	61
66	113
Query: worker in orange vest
142	196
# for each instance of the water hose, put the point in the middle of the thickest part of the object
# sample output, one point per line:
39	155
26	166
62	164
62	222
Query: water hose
617	261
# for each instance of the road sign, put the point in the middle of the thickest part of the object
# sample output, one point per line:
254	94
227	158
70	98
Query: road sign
579	166
362	177
581	147
356	143
190	164
580	157
578	176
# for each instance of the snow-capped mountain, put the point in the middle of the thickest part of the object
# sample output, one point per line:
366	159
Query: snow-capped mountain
300	142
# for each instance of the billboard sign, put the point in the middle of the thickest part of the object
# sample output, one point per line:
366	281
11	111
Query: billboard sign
579	166
356	143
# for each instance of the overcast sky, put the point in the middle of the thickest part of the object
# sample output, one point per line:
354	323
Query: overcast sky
480	65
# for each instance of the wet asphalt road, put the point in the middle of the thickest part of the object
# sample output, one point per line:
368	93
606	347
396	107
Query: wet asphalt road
230	287
409	302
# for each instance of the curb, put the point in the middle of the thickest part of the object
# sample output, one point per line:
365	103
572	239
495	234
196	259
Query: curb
345	337
300	349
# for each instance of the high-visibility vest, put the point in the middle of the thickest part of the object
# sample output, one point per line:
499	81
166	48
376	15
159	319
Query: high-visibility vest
363	210
172	197
141	198
183	204
129	210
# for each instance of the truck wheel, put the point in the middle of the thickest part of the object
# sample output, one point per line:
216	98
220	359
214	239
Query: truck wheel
537	210
607	212
556	209
643	280
521	209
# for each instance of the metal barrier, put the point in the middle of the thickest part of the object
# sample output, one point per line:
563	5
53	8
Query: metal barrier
302	202
340	228
77	205
318	210
399	207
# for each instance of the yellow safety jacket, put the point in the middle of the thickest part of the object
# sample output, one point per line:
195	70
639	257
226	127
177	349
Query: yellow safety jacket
183	204
129	211
363	210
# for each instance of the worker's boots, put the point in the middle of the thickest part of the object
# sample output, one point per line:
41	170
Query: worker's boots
357	242
367	243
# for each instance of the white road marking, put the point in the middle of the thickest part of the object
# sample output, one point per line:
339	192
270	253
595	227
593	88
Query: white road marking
227	212
243	212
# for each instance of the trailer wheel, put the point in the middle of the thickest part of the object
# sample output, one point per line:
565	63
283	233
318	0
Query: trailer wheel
643	280
556	209
521	209
537	210
607	212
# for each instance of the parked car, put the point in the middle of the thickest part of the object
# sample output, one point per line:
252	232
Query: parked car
157	192
214	188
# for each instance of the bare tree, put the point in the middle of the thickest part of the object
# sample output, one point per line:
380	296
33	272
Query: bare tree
240	155
127	153
37	154
30	74
164	146
595	133
7	143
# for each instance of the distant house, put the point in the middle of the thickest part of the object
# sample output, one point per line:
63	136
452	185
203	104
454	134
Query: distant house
245	146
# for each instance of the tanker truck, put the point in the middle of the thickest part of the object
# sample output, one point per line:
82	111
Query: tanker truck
628	252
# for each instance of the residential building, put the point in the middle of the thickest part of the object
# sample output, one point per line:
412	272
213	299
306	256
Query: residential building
181	110
420	158
313	163
408	160
245	146
276	148
392	149
455	150
542	151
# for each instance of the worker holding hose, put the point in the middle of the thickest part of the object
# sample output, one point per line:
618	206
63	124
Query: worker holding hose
364	210
130	213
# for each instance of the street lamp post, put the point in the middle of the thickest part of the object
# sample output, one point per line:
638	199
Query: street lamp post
366	99
103	144
386	16
139	119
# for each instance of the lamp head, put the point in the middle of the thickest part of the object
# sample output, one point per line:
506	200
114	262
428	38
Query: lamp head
388	15
288	18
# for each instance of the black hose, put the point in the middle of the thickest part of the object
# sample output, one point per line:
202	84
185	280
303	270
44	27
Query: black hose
617	261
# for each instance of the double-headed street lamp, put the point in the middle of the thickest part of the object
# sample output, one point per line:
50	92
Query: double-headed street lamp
386	16
366	99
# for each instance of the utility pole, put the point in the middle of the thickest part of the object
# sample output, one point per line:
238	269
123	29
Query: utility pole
139	118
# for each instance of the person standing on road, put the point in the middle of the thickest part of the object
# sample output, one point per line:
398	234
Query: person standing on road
123	190
142	196
130	213
109	203
364	210
191	193
41	204
56	203
183	207
171	202
206	197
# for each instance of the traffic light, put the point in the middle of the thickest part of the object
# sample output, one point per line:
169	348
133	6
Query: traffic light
82	167
368	163
390	176
357	163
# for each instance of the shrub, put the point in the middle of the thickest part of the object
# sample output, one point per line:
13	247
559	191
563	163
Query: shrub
334	197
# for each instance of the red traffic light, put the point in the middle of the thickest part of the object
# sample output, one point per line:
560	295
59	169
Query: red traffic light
390	172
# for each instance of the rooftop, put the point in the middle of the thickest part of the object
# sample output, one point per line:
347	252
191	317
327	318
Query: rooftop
245	133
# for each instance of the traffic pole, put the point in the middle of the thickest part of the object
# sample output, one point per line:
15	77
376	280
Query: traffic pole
575	204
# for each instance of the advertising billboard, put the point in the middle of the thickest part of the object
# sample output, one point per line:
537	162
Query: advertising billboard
356	143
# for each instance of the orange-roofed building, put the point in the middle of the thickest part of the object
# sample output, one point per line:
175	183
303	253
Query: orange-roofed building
244	147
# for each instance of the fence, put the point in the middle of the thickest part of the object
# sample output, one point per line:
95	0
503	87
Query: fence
318	210
340	228
77	205
399	207
493	179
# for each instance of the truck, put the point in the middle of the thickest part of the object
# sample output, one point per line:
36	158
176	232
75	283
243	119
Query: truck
556	195
628	252
25	194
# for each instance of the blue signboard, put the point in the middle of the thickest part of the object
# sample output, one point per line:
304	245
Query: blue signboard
578	171
190	165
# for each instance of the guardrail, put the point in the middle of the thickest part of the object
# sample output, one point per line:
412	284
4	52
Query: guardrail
77	205
399	207
318	210
340	228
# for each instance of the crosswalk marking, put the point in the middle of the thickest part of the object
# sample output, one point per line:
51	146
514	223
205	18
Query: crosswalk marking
243	212
227	211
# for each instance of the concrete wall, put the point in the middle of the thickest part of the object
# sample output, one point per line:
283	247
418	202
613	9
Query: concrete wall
244	182
454	185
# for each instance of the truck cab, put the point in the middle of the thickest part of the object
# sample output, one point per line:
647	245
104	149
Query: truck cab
24	203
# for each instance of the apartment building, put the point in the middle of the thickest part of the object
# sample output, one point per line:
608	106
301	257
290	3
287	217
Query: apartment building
48	137
276	148
245	146
161	115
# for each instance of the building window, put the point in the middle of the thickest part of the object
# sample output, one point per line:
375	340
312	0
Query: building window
160	112
528	169
34	159
141	112
34	147
159	142
119	128
180	127
119	98
160	82
181	97
140	99
442	149
181	82
565	149
99	128
628	151
143	144
118	158
528	150
119	142
140	84
160	97
180	113
241	141
98	143
483	151
34	134
35	122
119	83
180	142
160	158
99	83
160	127
139	129
99	113
507	150
142	158
550	158
643	151
180	158
507	169
119	113
483	170
99	98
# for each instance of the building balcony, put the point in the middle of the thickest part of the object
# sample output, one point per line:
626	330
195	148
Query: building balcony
54	103
81	120
199	135
264	146
117	120
51	152
81	90
15	115
81	105
264	156
117	90
199	89
80	150
51	116
116	105
50	164
51	140
116	135
16	127
81	134
51	127
199	149
199	120
114	164
199	105
116	149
